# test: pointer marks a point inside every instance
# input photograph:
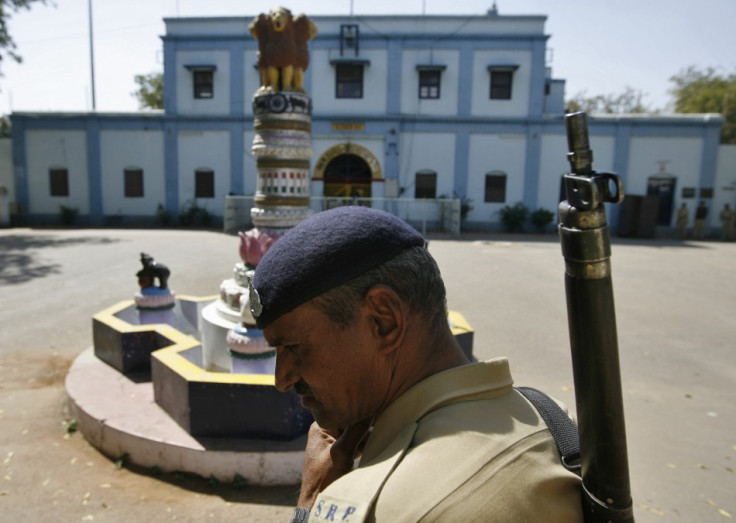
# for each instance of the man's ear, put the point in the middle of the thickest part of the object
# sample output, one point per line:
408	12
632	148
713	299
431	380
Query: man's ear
388	315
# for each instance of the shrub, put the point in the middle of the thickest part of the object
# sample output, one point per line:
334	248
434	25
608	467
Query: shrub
163	215
193	214
466	205
514	216
68	214
541	218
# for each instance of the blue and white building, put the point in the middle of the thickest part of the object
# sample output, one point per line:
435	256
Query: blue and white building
403	107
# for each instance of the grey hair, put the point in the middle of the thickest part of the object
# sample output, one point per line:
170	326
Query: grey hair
413	274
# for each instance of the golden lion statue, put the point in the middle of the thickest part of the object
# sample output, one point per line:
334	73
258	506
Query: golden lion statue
282	48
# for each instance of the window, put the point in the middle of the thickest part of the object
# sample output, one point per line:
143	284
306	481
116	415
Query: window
495	187
204	183
133	182
203	79
429	83
204	83
59	182
502	81
349	81
688	192
501	85
430	76
425	185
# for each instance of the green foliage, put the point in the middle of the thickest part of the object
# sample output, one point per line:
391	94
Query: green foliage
7	44
630	101
68	215
163	215
541	218
72	426
212	481
697	91
6	129
466	205
122	460
239	482
150	92
193	214
514	216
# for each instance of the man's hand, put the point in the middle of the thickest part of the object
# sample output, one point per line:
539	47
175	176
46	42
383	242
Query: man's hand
327	458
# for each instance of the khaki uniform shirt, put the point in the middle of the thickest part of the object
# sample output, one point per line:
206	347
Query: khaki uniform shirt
461	445
726	217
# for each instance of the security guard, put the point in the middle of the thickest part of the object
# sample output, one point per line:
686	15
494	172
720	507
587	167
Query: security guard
355	307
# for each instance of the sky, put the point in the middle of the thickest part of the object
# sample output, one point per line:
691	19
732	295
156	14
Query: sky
597	46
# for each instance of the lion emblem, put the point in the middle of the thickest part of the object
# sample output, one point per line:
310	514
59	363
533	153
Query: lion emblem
282	48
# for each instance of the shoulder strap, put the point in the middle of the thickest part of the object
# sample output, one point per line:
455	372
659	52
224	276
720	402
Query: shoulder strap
563	429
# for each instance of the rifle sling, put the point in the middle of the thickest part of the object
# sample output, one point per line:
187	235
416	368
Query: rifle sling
563	429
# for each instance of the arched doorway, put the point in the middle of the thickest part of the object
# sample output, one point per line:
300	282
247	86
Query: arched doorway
347	170
348	175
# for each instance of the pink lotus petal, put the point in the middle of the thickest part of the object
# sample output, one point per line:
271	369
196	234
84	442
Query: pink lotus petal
254	244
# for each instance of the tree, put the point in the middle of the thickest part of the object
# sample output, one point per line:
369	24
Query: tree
6	130
150	92
697	91
630	101
7	44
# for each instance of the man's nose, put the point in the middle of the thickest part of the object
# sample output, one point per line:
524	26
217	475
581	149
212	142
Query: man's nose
285	376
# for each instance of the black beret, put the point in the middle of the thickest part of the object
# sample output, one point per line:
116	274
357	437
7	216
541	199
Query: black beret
325	250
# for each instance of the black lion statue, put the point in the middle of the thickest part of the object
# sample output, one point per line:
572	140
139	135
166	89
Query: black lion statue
151	270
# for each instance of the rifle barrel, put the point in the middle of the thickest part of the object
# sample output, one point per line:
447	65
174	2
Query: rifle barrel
586	247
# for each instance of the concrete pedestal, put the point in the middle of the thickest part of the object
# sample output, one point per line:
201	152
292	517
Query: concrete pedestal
217	320
119	417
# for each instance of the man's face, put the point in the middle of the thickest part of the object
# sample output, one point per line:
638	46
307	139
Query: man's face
335	371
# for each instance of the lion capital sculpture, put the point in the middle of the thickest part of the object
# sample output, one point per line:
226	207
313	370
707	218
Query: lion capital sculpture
282	48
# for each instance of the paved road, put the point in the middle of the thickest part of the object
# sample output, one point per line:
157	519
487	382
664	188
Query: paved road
675	306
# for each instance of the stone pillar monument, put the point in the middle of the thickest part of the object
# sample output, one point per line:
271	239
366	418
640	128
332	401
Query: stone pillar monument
282	147
282	113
